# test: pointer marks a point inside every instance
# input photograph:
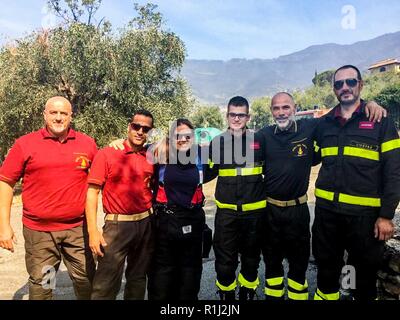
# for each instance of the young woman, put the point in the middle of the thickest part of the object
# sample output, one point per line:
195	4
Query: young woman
176	269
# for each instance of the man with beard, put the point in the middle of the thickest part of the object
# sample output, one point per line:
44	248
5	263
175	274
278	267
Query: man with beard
288	149
357	190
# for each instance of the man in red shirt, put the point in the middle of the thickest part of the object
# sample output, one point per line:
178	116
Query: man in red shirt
125	177
53	163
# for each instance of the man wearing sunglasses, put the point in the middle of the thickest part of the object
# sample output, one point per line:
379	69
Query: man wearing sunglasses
240	200
124	177
357	190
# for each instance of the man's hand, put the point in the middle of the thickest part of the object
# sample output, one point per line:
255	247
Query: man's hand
117	144
375	112
384	229
96	241
7	238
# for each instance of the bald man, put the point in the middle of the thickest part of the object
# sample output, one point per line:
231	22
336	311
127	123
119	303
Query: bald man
53	163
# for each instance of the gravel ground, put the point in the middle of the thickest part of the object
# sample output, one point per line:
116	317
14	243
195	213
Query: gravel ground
13	275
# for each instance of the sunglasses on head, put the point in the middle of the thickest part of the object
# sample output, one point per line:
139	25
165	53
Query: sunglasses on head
338	84
233	115
137	127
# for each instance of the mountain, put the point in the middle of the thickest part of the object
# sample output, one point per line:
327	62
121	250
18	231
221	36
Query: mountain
215	81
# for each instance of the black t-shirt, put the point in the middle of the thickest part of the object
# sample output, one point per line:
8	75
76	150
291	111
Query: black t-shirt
288	159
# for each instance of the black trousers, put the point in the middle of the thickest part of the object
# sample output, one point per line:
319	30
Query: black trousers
132	241
287	235
175	272
334	233
237	233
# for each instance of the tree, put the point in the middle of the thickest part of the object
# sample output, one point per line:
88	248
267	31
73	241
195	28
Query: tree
106	76
75	10
208	116
390	99
323	78
260	113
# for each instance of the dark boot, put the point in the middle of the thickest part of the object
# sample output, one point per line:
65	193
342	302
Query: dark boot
227	295
246	294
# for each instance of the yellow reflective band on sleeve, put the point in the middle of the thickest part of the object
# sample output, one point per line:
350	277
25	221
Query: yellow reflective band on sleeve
361	201
316	146
240	172
247	284
277	293
329	296
274	281
231	287
331	151
390	145
225	205
254	206
328	195
210	163
297	286
361	153
297	296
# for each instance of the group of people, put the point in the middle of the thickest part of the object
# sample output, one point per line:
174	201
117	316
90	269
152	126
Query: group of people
153	201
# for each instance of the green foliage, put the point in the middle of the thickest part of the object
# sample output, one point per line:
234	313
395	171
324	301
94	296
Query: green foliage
260	113
106	76
208	117
324	78
390	99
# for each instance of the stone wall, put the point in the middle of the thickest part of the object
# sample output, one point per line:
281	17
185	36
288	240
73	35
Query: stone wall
389	275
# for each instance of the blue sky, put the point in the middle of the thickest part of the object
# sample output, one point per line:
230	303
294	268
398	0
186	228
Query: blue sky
225	29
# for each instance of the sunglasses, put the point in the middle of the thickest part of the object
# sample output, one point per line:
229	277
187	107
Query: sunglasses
187	136
137	127
233	115
351	83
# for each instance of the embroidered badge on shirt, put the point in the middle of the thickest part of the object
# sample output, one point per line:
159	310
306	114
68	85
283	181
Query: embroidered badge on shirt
366	125
83	161
300	150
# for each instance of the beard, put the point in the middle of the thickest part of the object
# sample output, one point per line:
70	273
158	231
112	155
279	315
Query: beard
350	101
284	123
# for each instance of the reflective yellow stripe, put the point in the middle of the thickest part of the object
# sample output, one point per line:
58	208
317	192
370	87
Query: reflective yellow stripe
297	286
254	205
210	163
225	205
316	146
240	172
251	171
361	153
328	195
317	297
278	293
329	296
274	281
349	199
297	296
331	151
361	201
390	145
244	283
227	172
228	288
245	207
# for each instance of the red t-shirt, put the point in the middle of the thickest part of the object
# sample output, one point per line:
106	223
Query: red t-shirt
54	176
126	180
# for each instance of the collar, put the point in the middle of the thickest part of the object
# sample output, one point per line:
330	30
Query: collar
47	135
337	115
291	129
128	149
